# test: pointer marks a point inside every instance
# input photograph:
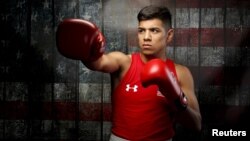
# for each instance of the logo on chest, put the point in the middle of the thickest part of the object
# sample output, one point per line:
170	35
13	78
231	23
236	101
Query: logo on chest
131	88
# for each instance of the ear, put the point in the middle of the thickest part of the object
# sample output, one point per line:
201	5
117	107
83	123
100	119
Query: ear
170	35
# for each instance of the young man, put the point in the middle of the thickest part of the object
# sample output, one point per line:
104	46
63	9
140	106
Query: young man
149	92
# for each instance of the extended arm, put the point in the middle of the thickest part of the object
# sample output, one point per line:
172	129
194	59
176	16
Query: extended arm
81	40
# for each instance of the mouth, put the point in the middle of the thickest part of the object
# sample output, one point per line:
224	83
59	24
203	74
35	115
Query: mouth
146	45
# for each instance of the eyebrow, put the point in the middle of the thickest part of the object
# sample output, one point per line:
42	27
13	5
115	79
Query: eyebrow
149	28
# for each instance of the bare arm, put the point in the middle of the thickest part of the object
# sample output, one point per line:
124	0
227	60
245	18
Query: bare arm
191	117
109	63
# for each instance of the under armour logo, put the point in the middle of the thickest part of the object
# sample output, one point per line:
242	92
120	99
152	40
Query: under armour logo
134	88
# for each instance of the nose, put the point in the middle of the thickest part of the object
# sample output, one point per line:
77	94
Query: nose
147	36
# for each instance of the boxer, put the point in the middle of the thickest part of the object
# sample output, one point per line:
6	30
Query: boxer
150	93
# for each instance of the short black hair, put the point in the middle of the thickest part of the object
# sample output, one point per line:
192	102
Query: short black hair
159	12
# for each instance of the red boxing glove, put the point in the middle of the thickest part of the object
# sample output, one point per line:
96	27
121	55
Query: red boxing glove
156	72
80	40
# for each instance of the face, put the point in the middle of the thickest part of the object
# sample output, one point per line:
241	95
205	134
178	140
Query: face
153	37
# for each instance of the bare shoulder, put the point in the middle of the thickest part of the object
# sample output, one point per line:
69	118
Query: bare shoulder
120	57
183	73
181	68
118	54
123	60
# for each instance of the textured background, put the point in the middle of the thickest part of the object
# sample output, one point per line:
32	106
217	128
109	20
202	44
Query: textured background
44	96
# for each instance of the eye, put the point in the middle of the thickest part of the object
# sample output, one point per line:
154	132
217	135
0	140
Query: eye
154	30
140	30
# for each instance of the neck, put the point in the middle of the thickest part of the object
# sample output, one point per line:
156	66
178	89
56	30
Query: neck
145	58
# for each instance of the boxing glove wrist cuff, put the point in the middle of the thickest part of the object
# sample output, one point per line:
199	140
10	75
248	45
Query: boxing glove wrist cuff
181	103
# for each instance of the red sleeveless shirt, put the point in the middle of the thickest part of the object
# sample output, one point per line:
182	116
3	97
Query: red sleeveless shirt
140	113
